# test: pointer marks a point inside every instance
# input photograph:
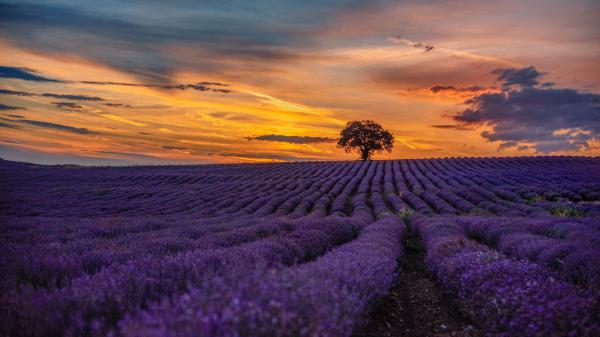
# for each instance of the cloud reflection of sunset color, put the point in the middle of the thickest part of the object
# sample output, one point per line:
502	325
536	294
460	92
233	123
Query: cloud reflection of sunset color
210	82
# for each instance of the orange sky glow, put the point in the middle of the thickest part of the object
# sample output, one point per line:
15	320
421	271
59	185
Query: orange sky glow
411	66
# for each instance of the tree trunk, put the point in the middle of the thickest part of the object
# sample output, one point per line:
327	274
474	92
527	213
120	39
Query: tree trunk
365	154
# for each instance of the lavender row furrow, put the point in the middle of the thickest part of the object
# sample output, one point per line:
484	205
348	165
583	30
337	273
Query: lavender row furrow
569	249
328	297
504	296
99	299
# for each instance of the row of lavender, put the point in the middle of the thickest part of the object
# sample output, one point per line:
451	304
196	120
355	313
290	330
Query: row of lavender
505	294
569	247
263	287
299	249
436	186
49	252
246	289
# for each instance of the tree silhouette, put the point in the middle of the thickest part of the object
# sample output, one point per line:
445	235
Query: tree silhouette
366	137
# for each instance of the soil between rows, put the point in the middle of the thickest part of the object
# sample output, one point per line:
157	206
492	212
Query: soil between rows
416	306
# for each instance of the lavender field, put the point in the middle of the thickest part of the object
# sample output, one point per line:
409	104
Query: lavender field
298	249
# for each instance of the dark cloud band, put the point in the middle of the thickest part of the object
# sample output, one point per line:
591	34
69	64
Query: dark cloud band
451	127
25	74
31	75
526	77
74	97
535	117
4	107
49	95
450	88
68	105
82	131
200	86
48	125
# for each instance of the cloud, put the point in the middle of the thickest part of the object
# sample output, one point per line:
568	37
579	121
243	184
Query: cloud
74	97
4	107
451	126
30	75
293	139
526	77
214	83
450	52
59	96
427	72
200	86
118	105
409	43
209	36
12	150
63	105
547	84
8	126
9	141
449	88
43	124
528	115
25	74
211	29
438	88
15	93
61	127
545	120
68	105
169	147
14	116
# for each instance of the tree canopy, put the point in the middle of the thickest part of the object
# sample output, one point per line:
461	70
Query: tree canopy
366	137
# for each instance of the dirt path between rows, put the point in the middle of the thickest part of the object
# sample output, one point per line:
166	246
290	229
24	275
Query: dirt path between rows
416	306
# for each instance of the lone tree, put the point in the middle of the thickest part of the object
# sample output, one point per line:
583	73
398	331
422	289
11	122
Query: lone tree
365	137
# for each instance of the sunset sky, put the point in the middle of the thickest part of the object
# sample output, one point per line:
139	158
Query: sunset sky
156	82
